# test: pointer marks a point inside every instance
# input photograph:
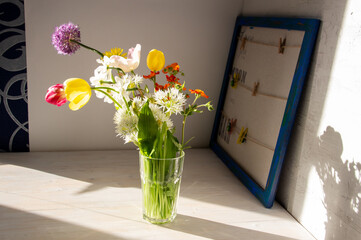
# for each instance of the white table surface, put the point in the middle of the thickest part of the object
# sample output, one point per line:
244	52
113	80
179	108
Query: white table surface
97	195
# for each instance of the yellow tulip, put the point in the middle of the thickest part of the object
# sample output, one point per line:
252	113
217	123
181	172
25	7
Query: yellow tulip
155	60
77	92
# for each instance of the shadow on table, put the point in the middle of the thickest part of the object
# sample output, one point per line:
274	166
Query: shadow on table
16	224
100	169
218	231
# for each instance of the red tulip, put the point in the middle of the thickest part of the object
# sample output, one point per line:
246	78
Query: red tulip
56	95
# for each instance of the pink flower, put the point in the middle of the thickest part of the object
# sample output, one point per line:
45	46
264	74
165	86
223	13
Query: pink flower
127	64
55	95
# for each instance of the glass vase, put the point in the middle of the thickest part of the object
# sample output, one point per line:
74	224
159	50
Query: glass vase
161	179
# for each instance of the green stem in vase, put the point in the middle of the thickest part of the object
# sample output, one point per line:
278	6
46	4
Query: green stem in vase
160	183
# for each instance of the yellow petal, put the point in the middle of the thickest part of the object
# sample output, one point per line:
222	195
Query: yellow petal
78	92
155	60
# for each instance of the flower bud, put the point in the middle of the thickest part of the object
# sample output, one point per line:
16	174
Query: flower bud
209	106
56	95
155	60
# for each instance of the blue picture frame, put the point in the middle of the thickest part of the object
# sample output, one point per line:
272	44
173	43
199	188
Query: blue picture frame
310	27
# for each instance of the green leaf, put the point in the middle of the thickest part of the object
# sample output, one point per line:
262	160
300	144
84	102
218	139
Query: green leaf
166	145
148	130
158	143
170	145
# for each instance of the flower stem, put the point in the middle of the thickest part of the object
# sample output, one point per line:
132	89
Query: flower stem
108	95
195	99
154	80
113	79
118	69
107	88
106	82
87	47
183	126
140	91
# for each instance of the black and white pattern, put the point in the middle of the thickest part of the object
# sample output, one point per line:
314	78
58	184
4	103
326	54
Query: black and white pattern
14	129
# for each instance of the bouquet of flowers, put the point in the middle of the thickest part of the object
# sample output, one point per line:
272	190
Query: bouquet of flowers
141	116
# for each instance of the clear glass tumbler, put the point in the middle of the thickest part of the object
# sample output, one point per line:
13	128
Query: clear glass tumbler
161	180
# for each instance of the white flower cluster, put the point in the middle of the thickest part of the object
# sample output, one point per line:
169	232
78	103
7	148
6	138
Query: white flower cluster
160	116
126	125
171	100
126	120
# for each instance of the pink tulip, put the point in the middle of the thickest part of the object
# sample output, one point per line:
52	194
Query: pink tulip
55	95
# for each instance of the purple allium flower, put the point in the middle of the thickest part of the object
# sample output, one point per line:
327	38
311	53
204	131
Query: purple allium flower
62	36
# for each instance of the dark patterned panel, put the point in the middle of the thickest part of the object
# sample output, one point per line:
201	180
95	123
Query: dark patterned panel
14	133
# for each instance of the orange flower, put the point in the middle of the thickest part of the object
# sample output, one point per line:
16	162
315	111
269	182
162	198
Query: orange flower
170	68
151	75
175	66
161	87
199	92
172	79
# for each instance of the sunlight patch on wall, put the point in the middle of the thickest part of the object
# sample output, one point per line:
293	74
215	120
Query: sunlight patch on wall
314	204
341	107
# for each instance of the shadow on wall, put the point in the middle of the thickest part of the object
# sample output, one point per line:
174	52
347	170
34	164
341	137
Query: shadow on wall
305	149
341	182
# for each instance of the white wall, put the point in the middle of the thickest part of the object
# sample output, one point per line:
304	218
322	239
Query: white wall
196	34
321	179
